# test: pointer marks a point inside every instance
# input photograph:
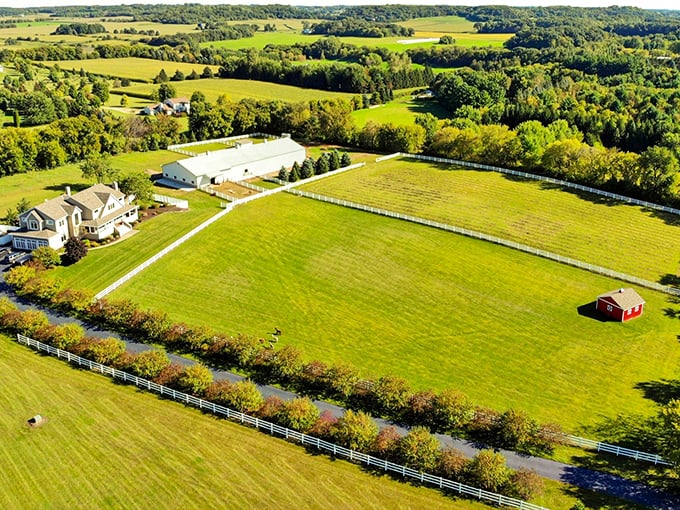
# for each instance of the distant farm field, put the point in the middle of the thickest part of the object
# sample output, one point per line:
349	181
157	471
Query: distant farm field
439	309
106	445
235	90
141	69
586	227
402	110
442	24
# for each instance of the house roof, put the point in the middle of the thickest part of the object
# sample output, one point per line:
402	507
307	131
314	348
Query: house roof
36	234
109	217
215	162
95	196
623	298
53	209
178	99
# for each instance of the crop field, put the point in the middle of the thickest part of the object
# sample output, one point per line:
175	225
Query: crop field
585	227
141	69
111	446
235	90
42	185
439	309
402	110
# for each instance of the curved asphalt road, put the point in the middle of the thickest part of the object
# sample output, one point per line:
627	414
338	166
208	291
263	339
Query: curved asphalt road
577	476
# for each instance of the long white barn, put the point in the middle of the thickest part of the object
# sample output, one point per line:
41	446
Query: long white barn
235	164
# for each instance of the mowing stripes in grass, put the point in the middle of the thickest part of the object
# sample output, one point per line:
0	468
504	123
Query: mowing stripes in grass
110	446
438	309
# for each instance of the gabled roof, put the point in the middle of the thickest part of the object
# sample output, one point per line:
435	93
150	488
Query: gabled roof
95	196
623	298
53	209
215	162
176	100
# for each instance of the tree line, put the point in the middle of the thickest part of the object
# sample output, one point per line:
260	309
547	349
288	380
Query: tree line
449	411
418	449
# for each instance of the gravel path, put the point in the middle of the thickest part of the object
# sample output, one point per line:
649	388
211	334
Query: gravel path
577	476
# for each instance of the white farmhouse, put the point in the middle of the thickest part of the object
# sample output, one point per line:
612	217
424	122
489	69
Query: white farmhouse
242	162
94	213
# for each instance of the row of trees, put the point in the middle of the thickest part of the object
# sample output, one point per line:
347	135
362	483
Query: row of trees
327	162
356	430
448	411
74	139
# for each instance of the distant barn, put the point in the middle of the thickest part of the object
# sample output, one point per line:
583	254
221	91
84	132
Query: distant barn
621	304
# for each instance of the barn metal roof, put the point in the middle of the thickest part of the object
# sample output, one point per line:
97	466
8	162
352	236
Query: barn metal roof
215	162
623	298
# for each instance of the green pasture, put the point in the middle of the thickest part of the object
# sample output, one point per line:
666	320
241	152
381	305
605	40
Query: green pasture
234	89
107	445
439	309
441	24
592	229
206	147
141	69
42	185
262	39
96	271
401	110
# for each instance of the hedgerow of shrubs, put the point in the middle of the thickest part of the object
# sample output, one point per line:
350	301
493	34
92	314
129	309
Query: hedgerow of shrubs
448	411
356	430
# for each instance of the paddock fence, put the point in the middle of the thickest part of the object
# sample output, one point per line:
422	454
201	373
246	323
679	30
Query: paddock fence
496	240
272	428
525	175
177	202
616	450
179	147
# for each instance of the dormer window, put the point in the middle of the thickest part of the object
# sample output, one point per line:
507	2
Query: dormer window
111	206
76	219
32	225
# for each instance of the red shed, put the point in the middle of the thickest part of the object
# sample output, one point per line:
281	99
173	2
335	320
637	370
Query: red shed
621	304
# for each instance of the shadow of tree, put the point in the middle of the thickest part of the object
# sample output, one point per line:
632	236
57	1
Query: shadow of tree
662	391
75	187
672	280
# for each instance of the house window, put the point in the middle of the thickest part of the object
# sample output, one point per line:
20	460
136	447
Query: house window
50	222
637	308
32	225
609	308
111	206
77	219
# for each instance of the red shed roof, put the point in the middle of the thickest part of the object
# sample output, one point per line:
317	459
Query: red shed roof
623	298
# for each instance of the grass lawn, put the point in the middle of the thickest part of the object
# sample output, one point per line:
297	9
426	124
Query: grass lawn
402	110
142	69
96	271
582	226
39	186
111	446
439	309
236	90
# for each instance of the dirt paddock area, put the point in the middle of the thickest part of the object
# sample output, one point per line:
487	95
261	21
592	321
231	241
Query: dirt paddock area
233	189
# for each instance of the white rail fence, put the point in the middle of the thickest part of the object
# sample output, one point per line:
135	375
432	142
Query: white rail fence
497	240
179	147
177	202
219	194
558	182
616	450
272	428
163	252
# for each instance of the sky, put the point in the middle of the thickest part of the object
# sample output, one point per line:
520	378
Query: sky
645	4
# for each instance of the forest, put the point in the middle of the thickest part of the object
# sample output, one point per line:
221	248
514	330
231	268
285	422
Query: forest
587	94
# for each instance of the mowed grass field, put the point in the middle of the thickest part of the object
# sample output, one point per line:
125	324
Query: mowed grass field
106	264
111	446
141	69
439	309
621	237
234	89
402	110
39	186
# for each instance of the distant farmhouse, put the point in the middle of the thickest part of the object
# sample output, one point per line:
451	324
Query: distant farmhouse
172	105
243	161
95	213
621	304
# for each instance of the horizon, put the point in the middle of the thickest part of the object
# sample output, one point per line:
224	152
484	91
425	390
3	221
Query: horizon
647	5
